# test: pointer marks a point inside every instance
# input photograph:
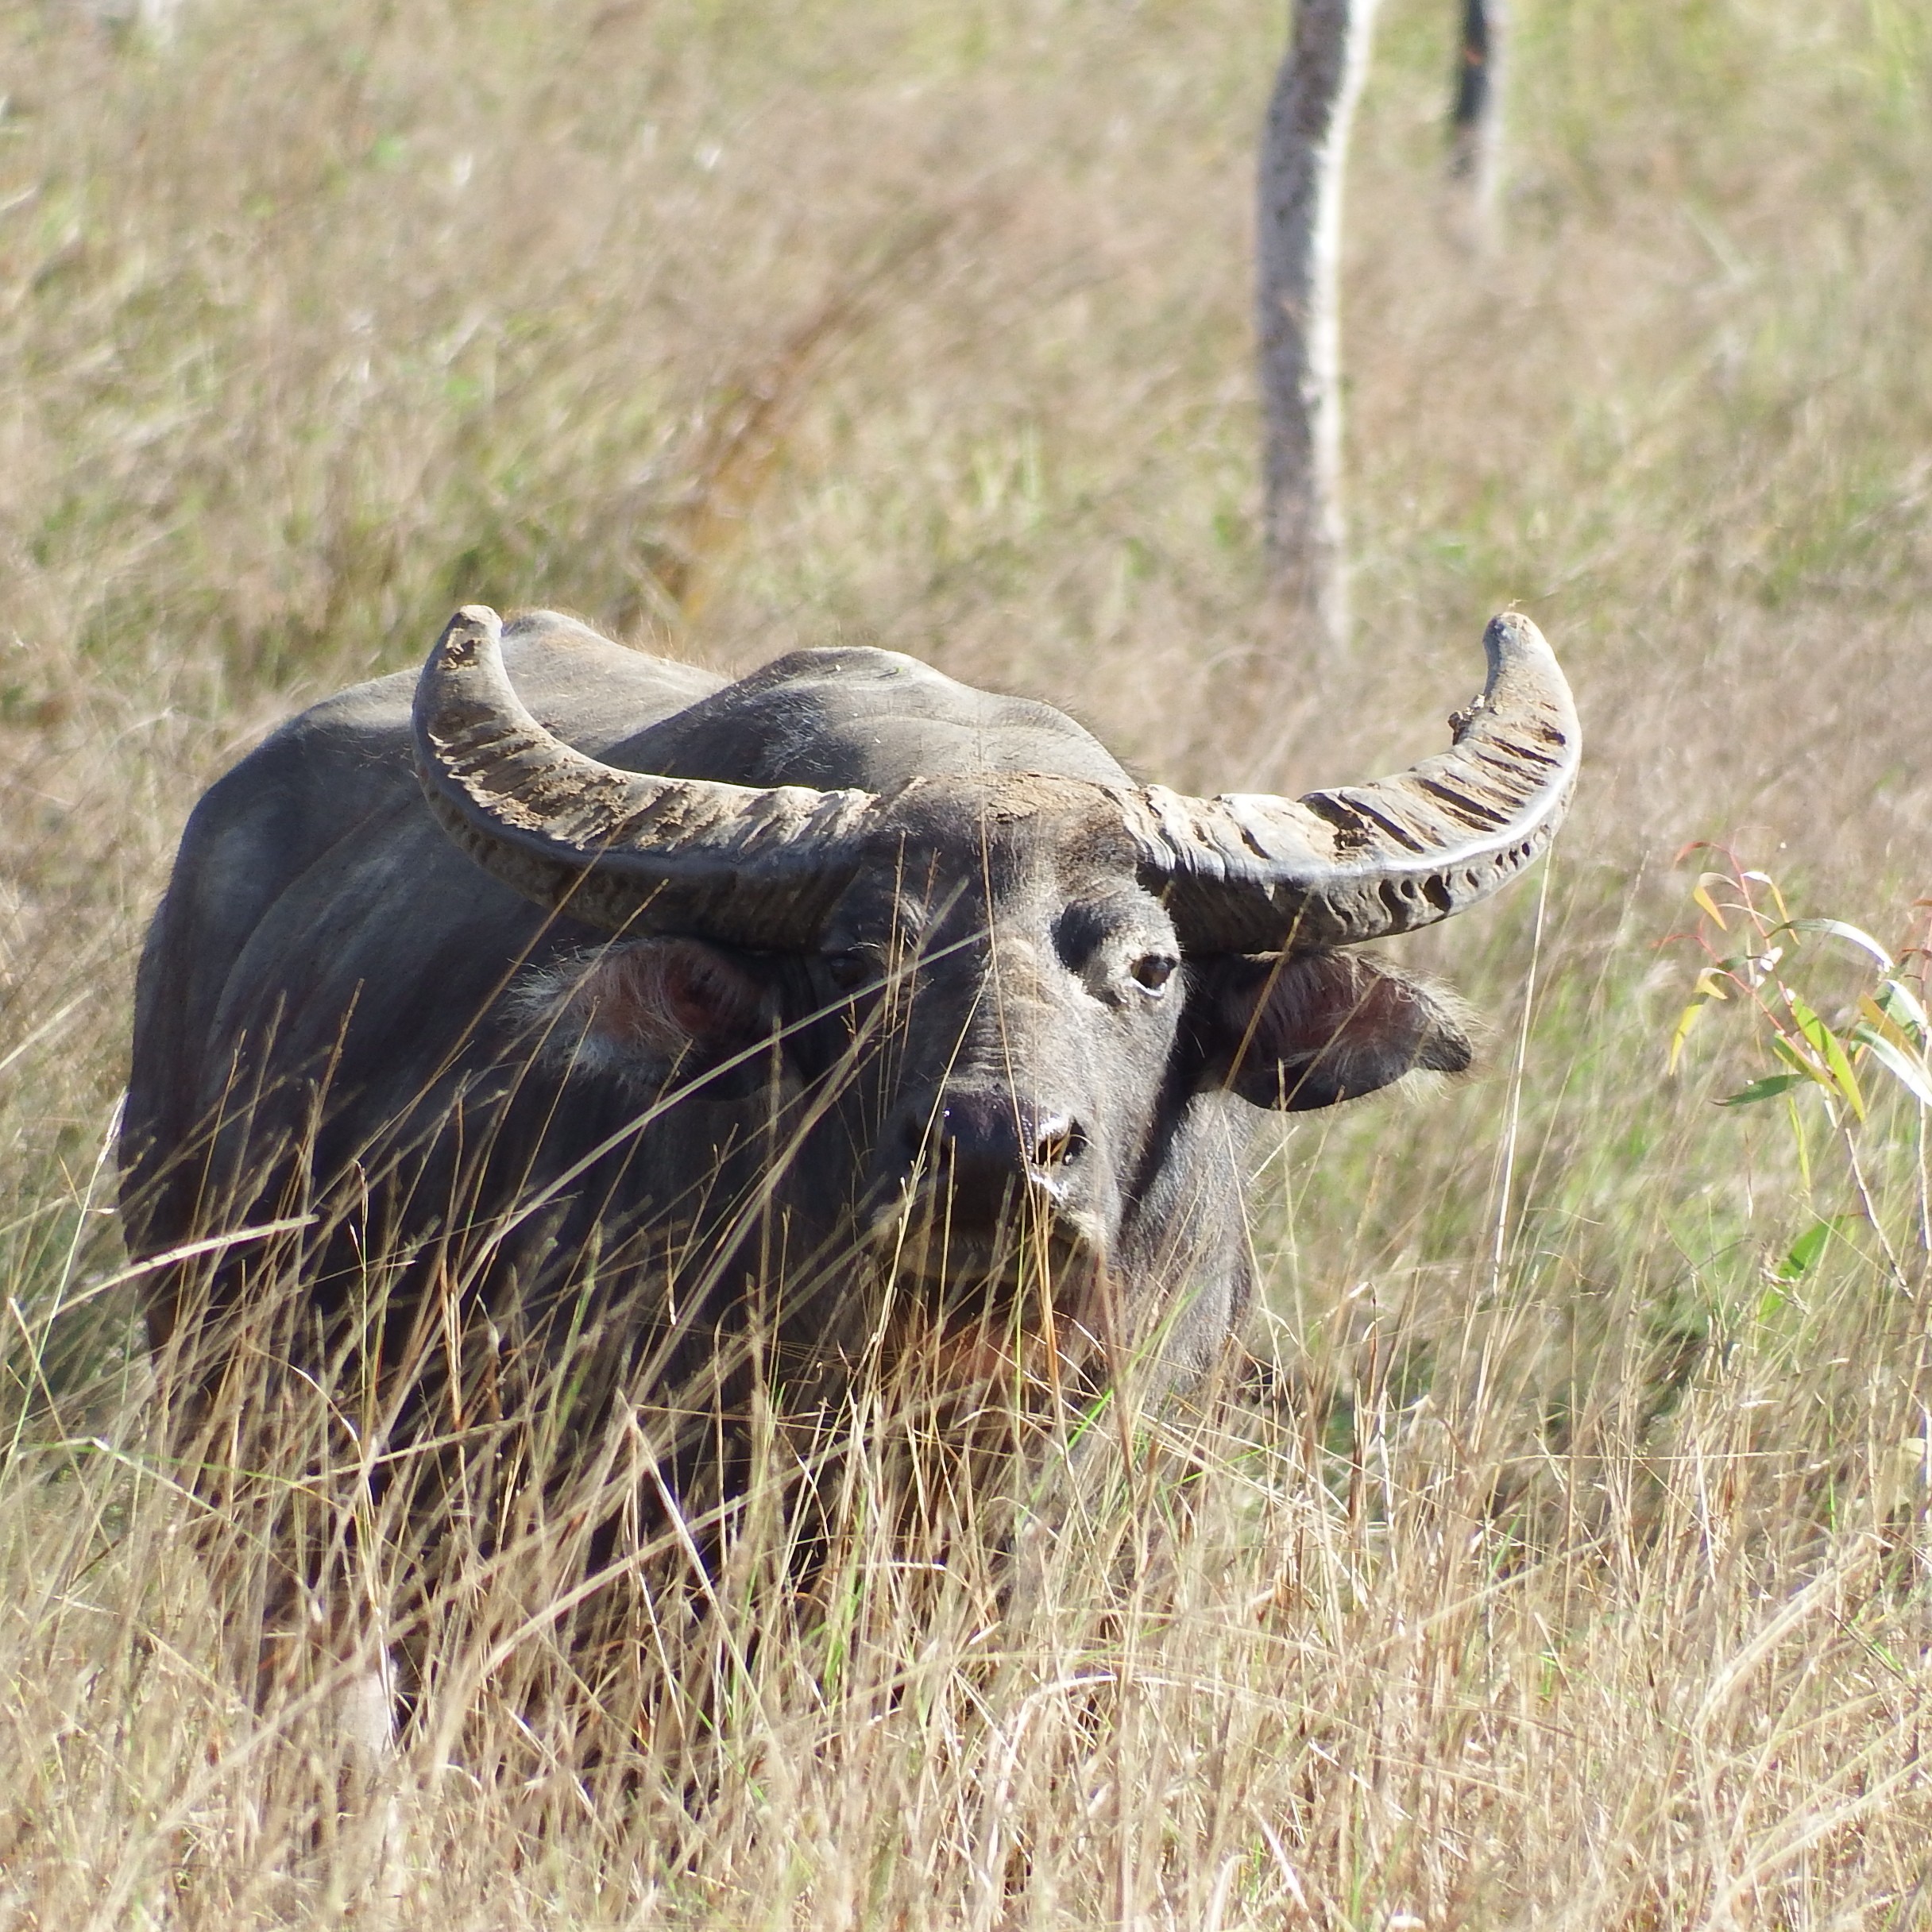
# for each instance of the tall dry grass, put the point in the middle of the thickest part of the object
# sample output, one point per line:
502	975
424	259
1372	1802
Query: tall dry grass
1574	1572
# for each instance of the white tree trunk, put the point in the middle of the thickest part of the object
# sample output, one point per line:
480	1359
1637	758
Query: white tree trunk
153	22
1297	251
1476	116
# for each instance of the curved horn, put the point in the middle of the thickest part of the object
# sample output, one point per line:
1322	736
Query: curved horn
1248	873
626	851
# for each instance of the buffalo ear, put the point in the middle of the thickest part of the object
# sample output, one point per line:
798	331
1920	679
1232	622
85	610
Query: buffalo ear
1314	1028
654	1000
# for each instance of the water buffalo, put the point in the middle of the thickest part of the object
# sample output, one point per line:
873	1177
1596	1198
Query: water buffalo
590	1009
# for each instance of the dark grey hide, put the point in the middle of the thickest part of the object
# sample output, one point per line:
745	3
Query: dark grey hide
648	1149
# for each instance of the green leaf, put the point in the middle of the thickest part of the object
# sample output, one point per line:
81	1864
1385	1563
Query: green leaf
1909	1070
1831	1050
1809	1024
1710	905
1836	929
1878	1021
1806	1250
1750	968
1786	1050
1710	986
1843	1077
1901	1004
1768	1088
1681	1032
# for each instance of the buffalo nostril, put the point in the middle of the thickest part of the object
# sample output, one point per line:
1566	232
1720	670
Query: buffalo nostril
995	1139
1056	1140
976	1159
981	1131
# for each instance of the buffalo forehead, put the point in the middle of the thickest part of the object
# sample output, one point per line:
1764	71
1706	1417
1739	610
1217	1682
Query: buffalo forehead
985	850
864	718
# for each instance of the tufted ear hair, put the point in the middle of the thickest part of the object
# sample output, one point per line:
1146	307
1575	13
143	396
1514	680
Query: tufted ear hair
649	1001
1310	1028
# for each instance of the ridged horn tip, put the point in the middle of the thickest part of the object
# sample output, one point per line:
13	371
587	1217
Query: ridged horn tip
1337	866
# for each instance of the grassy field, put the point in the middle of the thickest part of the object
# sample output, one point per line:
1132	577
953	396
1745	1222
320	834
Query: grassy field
1576	1572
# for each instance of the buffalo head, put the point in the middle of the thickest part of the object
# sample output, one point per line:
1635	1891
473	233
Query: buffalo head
1011	1001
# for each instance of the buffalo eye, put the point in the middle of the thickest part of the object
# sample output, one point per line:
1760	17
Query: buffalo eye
1152	970
850	970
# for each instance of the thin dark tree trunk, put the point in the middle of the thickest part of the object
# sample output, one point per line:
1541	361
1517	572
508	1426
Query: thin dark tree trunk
1476	116
1305	148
